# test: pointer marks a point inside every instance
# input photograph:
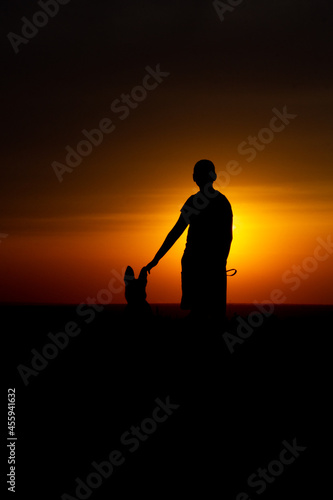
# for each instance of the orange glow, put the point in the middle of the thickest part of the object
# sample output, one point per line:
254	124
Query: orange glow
71	259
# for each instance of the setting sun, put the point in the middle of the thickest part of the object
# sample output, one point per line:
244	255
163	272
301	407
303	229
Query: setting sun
71	259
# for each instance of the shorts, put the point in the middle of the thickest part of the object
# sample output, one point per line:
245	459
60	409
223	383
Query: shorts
204	285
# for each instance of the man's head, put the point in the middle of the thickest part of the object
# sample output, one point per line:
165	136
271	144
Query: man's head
204	173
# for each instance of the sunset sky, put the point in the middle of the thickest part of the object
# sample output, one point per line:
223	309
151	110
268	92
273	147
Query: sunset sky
63	242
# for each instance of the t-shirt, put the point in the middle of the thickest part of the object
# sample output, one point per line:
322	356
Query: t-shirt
210	226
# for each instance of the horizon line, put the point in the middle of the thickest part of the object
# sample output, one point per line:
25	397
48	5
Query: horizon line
73	304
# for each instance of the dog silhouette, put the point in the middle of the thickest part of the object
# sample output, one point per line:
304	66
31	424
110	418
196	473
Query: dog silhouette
135	294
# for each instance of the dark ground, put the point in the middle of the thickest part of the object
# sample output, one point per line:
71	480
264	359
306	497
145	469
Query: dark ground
235	409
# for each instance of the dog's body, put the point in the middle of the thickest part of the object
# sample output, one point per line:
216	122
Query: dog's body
135	294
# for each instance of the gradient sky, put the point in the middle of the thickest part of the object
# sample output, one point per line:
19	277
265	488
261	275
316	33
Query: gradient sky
67	240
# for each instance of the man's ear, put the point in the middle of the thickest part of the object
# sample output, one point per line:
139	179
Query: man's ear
129	274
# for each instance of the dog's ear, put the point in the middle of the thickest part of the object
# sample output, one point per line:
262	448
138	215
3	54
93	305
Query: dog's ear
129	275
143	274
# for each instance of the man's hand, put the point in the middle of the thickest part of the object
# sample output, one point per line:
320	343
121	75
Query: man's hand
151	264
171	238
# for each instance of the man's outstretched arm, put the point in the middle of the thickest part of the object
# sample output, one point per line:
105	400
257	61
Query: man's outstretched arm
169	241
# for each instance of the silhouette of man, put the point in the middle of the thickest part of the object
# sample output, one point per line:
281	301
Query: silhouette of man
209	216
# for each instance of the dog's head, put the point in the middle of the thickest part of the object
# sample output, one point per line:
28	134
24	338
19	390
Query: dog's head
135	289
